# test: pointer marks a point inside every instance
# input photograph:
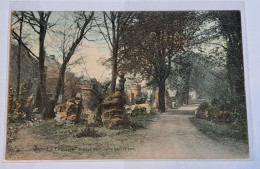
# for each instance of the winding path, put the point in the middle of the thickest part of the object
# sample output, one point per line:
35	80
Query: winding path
172	135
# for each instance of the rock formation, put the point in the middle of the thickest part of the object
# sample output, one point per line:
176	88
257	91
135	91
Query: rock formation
113	111
69	111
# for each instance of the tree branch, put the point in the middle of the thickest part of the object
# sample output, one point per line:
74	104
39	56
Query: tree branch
16	37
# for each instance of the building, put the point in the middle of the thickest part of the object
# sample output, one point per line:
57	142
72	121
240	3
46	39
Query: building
29	70
52	74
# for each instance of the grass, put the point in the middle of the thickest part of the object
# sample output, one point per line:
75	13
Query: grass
143	120
62	138
219	132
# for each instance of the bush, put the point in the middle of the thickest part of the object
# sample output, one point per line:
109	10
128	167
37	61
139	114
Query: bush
200	112
217	132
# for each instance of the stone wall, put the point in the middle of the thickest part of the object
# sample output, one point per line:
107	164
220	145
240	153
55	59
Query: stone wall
90	92
52	74
29	69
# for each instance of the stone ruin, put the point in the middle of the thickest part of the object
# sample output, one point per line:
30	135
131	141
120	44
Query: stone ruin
136	96
93	93
90	95
113	111
90	91
25	103
134	93
69	111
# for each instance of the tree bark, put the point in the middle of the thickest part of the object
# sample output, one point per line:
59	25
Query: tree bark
179	97
45	105
187	94
152	97
187	86
60	82
114	74
77	120
122	83
161	97
19	59
66	57
18	71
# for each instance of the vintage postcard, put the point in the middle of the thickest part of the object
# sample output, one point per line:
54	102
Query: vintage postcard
126	85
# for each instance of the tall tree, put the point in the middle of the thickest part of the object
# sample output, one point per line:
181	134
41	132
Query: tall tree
39	22
115	25
71	36
226	35
163	36
181	72
20	19
229	23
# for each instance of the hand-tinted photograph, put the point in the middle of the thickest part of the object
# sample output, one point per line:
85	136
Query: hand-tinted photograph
89	85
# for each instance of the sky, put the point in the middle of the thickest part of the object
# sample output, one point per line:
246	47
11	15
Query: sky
89	51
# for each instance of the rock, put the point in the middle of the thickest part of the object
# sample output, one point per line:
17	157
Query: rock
29	124
115	98
128	110
58	118
141	109
207	111
94	117
67	112
113	111
201	111
36	110
214	112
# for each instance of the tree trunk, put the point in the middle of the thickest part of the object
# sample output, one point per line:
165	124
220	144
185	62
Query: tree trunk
187	94
179	97
45	108
19	59
187	87
114	76
60	82
115	40
161	97
122	83
182	98
152	97
18	71
77	120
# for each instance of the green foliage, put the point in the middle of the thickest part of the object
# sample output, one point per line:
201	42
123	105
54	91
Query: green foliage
219	132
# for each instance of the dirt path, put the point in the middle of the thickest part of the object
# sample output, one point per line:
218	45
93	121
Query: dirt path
172	135
29	146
